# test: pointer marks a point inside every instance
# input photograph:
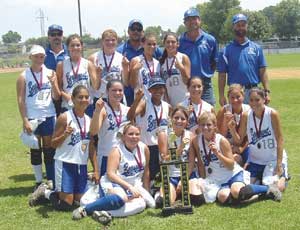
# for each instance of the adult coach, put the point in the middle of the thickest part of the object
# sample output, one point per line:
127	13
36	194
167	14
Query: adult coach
202	50
55	52
243	62
132	48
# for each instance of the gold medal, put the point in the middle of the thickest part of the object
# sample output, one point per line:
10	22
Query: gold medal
83	147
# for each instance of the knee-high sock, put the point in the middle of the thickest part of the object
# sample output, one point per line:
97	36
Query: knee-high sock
49	163
108	202
252	189
38	173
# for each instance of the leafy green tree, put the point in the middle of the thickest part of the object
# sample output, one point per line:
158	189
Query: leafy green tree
287	18
157	31
214	14
259	27
42	41
11	37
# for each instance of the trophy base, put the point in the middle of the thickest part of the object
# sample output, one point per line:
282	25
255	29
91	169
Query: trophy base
168	211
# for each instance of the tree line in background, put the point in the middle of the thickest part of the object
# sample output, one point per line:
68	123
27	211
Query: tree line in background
282	21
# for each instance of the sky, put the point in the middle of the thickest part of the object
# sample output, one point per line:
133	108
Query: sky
97	15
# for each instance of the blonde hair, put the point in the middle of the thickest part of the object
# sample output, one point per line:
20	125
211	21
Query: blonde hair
235	87
205	116
109	32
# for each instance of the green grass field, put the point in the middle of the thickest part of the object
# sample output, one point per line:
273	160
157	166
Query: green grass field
16	180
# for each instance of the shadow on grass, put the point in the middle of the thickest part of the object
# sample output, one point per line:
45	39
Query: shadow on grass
44	209
21	191
22	177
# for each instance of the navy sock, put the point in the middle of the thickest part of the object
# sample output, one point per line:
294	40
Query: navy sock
259	189
108	202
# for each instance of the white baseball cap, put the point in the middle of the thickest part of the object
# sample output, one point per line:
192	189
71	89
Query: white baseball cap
37	49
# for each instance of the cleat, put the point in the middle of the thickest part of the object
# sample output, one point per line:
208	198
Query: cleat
79	213
274	192
50	184
102	217
37	195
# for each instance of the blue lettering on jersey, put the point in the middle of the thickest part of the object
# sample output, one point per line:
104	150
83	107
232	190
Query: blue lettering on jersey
131	170
33	88
75	138
192	121
165	74
213	157
71	79
152	123
263	133
111	121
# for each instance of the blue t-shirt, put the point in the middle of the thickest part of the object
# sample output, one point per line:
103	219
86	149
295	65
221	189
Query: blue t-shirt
131	52
203	53
50	61
241	62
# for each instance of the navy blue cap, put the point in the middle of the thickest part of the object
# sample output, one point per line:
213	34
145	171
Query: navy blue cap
133	21
156	81
239	17
55	27
192	12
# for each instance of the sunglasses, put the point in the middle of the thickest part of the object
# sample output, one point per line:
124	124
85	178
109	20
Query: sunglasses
54	34
138	29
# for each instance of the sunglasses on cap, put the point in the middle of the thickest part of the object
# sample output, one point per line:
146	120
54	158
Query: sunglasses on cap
138	29
54	34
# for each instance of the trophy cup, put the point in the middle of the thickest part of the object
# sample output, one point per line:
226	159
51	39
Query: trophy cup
184	206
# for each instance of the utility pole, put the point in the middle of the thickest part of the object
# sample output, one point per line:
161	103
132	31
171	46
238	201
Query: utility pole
42	18
79	18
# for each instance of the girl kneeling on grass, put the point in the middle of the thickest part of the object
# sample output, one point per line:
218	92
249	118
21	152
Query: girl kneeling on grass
233	112
224	180
267	161
126	179
71	140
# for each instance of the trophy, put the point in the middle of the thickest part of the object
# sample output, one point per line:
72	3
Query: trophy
184	206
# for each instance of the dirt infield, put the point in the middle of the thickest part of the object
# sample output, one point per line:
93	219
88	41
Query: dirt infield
278	73
284	73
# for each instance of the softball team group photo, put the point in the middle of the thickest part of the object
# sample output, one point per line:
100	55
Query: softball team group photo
102	126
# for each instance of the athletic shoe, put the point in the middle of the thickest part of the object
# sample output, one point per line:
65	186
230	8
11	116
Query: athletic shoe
50	184
102	217
37	184
274	192
79	213
37	194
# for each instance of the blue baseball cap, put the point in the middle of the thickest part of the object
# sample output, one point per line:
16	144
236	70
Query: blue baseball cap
239	17
156	81
55	27
135	21
192	12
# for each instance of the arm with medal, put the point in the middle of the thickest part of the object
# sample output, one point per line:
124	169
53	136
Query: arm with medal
113	162
62	131
125	72
240	134
54	85
225	155
95	80
184	67
135	65
97	118
138	105
59	75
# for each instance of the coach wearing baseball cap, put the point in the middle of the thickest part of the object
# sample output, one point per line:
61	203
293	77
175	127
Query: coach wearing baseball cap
243	61
56	51
132	48
201	48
